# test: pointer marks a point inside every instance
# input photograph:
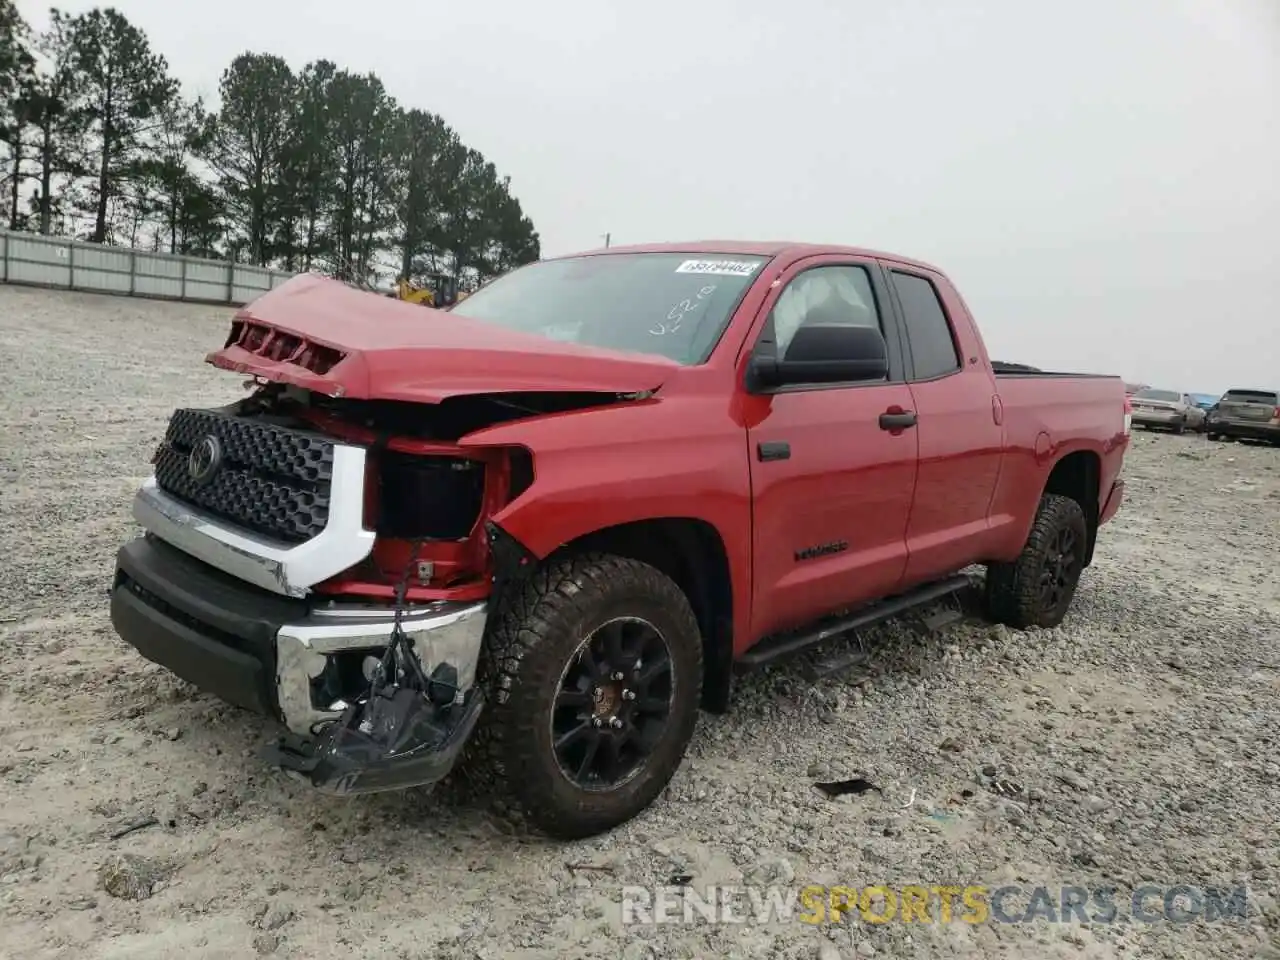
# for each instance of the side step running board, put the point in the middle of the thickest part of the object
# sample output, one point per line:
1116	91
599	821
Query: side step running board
784	645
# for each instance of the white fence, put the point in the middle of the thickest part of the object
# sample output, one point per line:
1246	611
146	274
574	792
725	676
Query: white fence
29	258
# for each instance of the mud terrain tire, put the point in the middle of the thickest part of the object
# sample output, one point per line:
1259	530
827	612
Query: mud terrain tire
1038	587
535	645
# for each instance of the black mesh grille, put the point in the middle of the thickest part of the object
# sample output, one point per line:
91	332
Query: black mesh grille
271	480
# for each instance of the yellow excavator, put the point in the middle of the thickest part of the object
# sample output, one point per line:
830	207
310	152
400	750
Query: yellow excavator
441	291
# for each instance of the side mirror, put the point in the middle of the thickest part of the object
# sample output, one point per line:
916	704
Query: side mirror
825	353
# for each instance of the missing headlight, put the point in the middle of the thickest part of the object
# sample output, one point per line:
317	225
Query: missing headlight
428	497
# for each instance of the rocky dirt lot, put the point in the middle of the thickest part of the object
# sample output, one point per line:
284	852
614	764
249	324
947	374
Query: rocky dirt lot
1143	732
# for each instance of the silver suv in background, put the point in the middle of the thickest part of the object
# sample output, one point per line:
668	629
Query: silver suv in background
1247	414
1166	409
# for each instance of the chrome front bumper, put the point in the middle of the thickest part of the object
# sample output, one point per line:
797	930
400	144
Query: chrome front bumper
442	633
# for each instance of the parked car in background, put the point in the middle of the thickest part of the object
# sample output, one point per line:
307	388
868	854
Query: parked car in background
1166	409
1205	401
1248	414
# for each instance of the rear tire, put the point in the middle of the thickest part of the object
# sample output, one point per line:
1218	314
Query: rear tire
1180	427
1037	588
1215	437
549	673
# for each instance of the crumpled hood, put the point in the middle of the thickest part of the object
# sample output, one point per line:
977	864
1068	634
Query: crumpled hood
323	335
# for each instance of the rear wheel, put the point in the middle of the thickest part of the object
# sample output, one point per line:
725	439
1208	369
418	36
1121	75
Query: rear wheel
1038	587
593	672
1180	427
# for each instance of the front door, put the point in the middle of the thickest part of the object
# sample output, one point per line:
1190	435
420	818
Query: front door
831	487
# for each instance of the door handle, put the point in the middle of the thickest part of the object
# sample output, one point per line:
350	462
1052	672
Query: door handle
778	450
897	419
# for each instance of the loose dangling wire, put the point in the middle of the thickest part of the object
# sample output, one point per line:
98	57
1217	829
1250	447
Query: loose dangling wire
400	647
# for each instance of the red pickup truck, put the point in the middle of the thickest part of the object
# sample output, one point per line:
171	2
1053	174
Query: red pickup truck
530	537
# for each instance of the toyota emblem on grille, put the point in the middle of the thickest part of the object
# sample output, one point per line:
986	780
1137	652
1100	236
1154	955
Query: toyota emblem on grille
205	459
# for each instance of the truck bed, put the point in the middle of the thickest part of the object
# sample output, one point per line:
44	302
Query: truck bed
1022	371
1048	416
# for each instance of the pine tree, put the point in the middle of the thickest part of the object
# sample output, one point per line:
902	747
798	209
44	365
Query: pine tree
245	146
17	82
123	85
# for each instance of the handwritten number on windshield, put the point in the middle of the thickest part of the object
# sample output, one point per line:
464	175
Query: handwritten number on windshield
681	310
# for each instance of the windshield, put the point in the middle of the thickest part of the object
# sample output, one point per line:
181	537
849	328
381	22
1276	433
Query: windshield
1252	396
1168	396
671	304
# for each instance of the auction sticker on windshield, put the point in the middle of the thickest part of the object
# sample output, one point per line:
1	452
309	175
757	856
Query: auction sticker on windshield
727	268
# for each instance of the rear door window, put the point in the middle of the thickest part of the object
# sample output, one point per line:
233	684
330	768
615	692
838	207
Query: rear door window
933	348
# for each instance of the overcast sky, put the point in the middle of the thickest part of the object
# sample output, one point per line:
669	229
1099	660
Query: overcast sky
1099	178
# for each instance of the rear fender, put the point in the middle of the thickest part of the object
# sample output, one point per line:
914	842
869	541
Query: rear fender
1101	476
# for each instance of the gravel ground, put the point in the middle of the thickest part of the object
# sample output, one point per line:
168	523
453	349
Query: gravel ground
1143	732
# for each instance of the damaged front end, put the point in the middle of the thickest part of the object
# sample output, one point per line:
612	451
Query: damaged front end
332	562
328	557
412	673
408	727
378	686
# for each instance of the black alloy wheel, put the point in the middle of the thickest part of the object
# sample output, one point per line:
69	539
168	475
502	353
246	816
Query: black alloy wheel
592	672
1061	569
613	704
1037	588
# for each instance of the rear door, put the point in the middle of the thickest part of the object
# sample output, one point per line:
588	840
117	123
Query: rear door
961	437
831	487
1249	406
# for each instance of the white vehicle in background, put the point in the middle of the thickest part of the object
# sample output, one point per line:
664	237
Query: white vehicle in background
1167	410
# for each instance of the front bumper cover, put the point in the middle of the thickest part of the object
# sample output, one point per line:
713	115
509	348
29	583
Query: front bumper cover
344	759
256	649
405	738
441	633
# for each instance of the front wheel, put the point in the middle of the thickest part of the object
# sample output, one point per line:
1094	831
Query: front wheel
593	672
1038	587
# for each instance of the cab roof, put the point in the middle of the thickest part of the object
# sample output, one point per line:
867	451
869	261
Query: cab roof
788	250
